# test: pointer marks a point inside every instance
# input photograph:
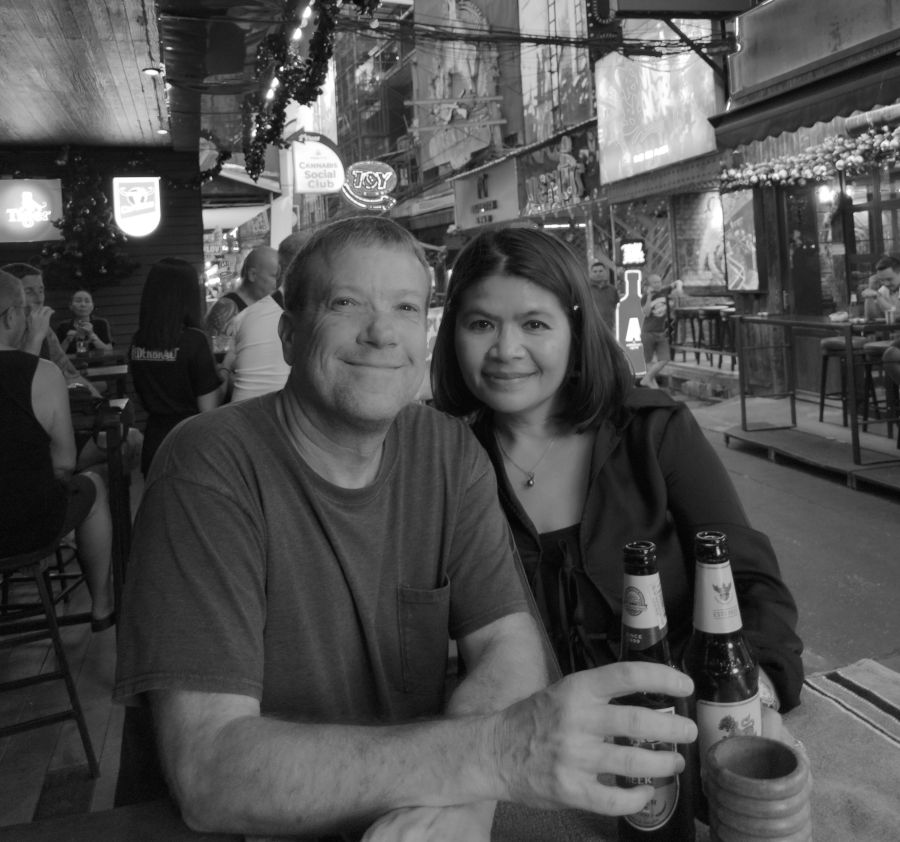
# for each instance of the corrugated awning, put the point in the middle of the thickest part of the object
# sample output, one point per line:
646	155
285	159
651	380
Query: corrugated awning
864	87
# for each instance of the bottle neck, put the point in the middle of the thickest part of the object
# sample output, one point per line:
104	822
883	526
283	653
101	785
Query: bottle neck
643	612
716	609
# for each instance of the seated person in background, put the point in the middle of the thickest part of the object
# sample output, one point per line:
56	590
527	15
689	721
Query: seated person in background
40	499
604	293
92	333
258	273
884	285
318	547
587	463
171	363
654	335
39	339
255	364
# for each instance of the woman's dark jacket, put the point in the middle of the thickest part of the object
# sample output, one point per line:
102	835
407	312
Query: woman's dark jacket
654	476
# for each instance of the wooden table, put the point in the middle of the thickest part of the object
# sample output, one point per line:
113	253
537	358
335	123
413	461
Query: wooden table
848	723
792	325
110	367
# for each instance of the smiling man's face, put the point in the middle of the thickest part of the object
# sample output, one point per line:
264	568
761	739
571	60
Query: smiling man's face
357	347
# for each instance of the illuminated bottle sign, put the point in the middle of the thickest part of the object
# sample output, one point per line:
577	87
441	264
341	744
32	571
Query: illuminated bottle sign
368	183
137	204
28	208
628	314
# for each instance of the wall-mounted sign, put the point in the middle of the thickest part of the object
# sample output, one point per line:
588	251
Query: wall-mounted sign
28	207
488	196
137	204
317	166
368	184
633	253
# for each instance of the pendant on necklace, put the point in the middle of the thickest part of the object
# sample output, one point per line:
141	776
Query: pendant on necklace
529	483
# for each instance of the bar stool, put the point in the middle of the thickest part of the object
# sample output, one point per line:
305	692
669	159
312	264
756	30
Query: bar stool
877	362
835	347
890	364
12	633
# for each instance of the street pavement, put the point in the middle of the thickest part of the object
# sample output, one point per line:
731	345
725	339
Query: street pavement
839	551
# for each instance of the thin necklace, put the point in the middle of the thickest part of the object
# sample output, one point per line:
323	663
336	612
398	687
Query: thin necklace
529	475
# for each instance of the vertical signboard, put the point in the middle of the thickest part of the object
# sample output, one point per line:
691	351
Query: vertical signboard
628	314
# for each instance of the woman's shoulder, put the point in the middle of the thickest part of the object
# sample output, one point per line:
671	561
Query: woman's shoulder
641	399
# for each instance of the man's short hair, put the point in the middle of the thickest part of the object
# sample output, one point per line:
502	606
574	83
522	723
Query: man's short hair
317	255
888	262
10	289
21	270
288	249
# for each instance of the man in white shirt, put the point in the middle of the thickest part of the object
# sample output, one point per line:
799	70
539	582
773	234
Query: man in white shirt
255	364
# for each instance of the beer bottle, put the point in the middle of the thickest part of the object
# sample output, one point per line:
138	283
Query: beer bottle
669	815
717	656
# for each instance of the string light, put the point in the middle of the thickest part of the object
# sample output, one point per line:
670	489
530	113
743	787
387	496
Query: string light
300	78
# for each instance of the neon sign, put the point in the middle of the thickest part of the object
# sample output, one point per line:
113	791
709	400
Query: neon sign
136	204
28	208
368	184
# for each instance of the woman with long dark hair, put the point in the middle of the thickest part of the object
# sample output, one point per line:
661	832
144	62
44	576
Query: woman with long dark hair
170	358
587	462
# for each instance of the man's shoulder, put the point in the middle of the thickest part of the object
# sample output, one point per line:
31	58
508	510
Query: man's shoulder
446	440
230	434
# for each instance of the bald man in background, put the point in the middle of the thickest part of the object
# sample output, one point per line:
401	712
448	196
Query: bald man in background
255	363
258	279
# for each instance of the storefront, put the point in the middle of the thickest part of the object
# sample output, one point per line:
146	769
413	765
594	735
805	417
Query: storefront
812	125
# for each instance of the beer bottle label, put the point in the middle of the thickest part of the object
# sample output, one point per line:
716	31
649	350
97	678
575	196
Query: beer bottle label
661	806
716	720
643	612
716	608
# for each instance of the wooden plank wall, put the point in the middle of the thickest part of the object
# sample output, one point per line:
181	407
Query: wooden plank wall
180	233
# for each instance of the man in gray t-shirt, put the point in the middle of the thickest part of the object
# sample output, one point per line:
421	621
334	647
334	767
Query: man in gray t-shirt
301	563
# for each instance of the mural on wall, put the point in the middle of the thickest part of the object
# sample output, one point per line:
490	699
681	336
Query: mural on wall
561	174
461	76
700	250
556	84
739	234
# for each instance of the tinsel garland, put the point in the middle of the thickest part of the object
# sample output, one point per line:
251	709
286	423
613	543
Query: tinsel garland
300	78
838	154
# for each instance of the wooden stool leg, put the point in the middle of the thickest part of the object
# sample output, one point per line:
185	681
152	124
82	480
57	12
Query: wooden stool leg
823	380
65	672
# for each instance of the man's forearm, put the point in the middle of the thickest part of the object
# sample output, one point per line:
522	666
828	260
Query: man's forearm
502	669
260	776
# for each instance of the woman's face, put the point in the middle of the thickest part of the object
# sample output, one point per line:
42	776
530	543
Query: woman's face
82	305
513	342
